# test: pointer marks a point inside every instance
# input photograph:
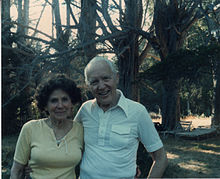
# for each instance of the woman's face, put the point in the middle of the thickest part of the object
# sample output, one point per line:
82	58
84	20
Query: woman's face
59	105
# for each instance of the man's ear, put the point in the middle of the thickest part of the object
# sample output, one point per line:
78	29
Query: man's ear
87	87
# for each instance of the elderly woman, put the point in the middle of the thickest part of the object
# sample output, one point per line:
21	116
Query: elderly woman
52	147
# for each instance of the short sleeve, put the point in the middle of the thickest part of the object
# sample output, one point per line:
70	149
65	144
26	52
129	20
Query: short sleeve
23	147
147	133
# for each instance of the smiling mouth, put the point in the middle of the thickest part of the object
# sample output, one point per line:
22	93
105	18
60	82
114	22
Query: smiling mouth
103	94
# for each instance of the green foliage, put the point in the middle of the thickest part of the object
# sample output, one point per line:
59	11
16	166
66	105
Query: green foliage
150	91
151	95
8	148
178	65
197	35
194	69
199	94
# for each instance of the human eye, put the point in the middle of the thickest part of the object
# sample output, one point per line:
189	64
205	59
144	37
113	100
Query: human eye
53	100
94	82
106	78
65	99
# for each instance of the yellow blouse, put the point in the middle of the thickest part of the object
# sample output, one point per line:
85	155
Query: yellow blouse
38	147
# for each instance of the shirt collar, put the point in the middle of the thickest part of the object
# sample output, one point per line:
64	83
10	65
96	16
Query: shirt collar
121	103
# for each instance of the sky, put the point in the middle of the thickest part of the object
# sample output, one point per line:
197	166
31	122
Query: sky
45	23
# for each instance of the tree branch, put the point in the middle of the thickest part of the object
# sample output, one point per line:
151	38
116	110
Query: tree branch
18	24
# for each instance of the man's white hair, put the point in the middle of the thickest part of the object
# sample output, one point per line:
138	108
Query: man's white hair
96	60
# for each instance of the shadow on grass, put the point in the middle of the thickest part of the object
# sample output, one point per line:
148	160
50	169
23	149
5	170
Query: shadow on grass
188	159
193	159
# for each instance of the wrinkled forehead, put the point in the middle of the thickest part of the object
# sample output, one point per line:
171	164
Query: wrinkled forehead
99	67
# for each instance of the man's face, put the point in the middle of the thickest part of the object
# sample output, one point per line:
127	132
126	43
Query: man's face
103	84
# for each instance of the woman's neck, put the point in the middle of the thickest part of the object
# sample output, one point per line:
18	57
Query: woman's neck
60	127
58	123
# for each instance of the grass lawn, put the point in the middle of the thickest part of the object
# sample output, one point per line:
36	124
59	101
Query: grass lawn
193	159
187	158
8	147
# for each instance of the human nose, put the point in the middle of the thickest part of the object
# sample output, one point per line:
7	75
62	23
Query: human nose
60	103
101	84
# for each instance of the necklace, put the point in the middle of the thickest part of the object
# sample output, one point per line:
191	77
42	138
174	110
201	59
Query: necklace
59	133
59	141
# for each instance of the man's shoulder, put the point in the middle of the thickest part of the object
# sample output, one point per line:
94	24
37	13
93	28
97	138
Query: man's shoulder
88	103
131	103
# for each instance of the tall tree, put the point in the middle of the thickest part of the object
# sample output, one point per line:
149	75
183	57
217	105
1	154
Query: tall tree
213	23
87	28
15	67
26	15
217	98
23	18
56	11
6	55
124	40
128	56
62	37
172	20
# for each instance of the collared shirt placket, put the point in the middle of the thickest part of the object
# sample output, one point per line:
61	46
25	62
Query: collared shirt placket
103	121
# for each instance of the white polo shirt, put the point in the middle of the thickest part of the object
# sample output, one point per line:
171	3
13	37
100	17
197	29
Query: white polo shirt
112	137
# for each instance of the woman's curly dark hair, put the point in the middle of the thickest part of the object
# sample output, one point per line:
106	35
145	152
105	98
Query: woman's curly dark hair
58	81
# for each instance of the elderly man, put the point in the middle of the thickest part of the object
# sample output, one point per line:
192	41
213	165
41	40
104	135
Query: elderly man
113	127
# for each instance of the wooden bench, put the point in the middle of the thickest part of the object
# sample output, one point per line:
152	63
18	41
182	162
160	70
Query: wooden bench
184	126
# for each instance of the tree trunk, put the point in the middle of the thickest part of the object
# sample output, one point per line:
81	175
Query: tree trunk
128	68
7	119
23	19
188	107
26	15
68	13
56	11
62	38
5	10
128	57
171	104
20	17
87	28
216	121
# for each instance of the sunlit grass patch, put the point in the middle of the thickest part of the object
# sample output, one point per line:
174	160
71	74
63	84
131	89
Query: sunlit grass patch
194	166
193	159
